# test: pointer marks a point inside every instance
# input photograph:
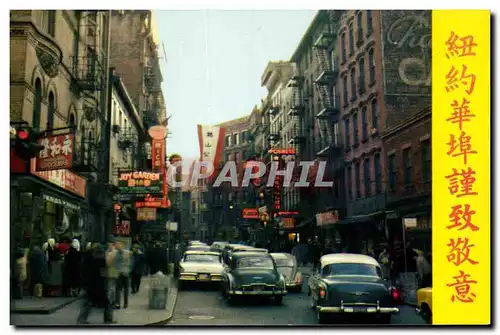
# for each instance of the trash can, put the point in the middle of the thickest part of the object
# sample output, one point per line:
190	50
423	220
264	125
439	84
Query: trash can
158	291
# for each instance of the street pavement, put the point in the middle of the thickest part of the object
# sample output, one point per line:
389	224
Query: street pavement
137	313
199	306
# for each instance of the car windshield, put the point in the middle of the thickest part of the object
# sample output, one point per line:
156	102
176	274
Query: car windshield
255	262
201	258
284	262
351	269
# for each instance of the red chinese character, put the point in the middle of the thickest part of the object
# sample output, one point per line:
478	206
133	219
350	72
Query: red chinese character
452	80
466	180
459	251
462	288
460	46
458	215
461	113
463	145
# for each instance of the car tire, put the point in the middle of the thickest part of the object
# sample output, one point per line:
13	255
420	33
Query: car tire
427	314
322	318
278	300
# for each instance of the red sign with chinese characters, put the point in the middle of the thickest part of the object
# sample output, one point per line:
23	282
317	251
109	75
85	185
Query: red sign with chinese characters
63	178
250	213
57	153
287	213
158	154
288	223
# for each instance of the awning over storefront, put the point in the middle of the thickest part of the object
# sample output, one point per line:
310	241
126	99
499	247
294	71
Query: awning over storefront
362	218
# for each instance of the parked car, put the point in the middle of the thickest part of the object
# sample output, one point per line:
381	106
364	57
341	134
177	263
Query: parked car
219	245
350	284
251	274
199	247
424	304
200	267
288	267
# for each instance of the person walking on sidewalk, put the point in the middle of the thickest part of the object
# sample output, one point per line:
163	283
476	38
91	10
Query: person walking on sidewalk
112	272
138	262
95	286
19	273
122	265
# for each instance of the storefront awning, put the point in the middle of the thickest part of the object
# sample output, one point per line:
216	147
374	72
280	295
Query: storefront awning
361	218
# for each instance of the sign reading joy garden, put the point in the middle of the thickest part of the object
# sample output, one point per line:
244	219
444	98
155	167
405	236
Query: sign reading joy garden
140	182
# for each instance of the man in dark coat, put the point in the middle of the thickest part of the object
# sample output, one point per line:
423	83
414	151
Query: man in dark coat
95	287
138	262
38	267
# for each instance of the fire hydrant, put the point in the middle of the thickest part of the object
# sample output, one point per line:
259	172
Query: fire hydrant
158	291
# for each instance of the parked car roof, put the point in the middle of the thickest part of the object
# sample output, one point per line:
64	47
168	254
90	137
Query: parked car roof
252	249
201	252
282	255
247	254
347	258
199	248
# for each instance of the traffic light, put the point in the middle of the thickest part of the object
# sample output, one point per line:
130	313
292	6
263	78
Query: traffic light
26	142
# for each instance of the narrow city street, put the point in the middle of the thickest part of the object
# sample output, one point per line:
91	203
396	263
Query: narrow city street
198	306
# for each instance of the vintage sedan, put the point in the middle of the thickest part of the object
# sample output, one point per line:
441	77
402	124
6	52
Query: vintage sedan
199	247
200	267
424	304
251	274
350	284
288	267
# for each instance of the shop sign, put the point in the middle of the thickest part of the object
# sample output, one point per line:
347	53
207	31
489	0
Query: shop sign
288	151
158	154
57	153
250	213
410	222
149	202
172	226
277	192
287	213
140	182
146	214
288	223
326	218
63	178
58	201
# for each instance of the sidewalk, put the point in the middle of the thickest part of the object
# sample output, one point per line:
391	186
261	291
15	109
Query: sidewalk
46	305
137	313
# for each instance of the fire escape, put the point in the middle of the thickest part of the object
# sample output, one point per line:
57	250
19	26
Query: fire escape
295	114
152	83
128	143
88	80
326	76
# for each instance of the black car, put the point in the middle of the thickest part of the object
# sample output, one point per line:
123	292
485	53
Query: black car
251	274
351	284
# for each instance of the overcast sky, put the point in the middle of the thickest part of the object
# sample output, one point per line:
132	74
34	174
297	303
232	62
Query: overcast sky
215	60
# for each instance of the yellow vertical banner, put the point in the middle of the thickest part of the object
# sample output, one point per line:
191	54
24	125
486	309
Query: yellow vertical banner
461	167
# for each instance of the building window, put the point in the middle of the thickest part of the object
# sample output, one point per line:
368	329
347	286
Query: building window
371	64
362	84
392	173
51	111
366	177
346	90
37	104
357	176
378	173
374	114
364	124
369	23
355	128
235	139
242	137
51	23
426	160
353	84
72	122
351	38
343	46
408	168
346	133
349	182
228	141
359	21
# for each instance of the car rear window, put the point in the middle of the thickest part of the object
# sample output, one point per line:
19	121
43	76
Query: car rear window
284	262
351	269
202	258
255	262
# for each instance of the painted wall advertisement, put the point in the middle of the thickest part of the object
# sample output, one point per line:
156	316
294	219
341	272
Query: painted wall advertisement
407	59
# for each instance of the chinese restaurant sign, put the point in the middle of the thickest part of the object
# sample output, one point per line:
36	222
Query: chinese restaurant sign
63	178
146	214
158	154
140	182
327	218
461	170
57	153
250	213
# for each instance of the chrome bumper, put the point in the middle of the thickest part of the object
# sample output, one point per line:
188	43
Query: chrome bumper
350	309
266	293
193	277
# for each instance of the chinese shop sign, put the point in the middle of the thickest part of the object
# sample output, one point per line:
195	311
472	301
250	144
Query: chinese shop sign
250	213
63	178
57	153
146	214
327	218
461	112
140	182
158	154
288	223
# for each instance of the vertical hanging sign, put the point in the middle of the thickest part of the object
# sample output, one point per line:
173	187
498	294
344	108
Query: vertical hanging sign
461	239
